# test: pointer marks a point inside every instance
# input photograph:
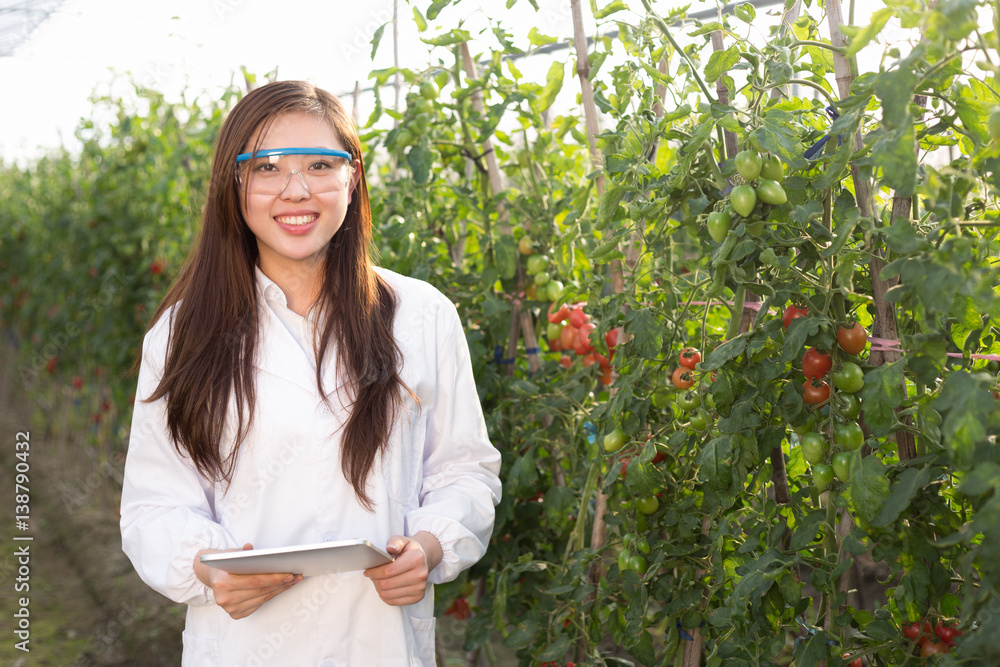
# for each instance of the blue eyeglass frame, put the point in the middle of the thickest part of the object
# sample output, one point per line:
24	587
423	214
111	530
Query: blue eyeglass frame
243	157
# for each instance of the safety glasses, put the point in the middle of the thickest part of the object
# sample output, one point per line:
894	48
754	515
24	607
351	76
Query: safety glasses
268	172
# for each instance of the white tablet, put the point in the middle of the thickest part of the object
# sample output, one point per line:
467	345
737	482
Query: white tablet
305	559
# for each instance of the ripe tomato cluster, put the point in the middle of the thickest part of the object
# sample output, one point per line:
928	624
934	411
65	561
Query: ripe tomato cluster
932	640
570	328
841	428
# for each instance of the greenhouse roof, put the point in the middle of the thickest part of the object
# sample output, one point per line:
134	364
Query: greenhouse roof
19	18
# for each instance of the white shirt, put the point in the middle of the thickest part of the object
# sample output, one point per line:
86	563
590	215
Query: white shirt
439	475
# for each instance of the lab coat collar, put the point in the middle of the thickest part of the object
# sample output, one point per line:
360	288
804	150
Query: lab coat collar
279	354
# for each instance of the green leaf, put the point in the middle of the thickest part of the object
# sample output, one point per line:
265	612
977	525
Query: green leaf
707	28
377	37
646	332
553	84
805	532
505	254
720	62
643	479
812	651
861	37
966	401
895	152
779	134
795	337
903	490
418	18
714	462
729	350
537	38
436	8
615	6
556	649
973	113
420	159
869	485
455	36
881	395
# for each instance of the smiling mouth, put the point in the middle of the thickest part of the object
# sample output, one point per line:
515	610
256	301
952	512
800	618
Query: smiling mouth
296	220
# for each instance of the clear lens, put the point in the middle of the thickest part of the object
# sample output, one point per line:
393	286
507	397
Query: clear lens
270	175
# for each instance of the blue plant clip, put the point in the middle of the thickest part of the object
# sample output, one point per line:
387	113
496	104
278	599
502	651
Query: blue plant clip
813	150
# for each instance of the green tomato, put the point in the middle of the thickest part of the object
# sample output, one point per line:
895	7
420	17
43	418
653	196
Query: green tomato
642	545
428	90
755	227
404	137
646	505
699	420
748	164
689	400
822	475
851	407
842	465
615	440
773	169
849	436
813	448
718	225
536	264
638	563
542	278
554	289
553	330
743	199
709	401
623	559
771	192
849	379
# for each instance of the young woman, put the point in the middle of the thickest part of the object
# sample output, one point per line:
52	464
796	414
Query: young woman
291	393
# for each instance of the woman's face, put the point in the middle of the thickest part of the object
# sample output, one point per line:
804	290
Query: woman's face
294	227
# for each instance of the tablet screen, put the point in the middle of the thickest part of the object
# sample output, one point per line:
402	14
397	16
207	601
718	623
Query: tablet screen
304	559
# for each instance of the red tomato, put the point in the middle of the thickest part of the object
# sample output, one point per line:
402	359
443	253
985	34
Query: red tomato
934	647
589	360
559	315
565	361
816	363
852	340
921	632
459	609
606	376
682	377
854	663
689	357
947	633
555	345
815	393
601	359
611	338
568	337
77	382
583	345
793	313
577	317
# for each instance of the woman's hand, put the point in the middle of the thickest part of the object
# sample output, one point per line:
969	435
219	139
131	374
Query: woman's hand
241	594
404	581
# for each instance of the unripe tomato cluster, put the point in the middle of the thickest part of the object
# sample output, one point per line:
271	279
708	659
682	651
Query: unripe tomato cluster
570	329
543	286
762	176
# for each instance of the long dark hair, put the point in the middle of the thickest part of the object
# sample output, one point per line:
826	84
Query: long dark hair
215	326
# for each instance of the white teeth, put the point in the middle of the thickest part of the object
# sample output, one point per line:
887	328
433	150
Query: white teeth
296	219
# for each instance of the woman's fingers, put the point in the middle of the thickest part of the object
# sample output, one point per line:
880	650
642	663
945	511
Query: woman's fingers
241	595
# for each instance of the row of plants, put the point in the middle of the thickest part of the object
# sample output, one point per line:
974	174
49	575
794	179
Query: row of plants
738	354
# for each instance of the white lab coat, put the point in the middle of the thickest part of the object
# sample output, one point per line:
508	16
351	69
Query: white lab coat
439	475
